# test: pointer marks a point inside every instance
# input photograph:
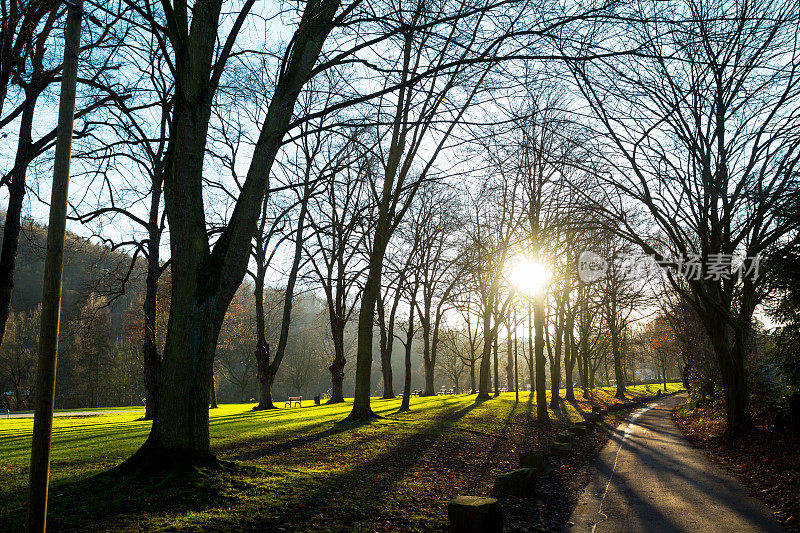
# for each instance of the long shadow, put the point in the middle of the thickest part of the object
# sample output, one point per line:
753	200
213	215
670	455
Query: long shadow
79	504
338	427
367	482
287	445
702	484
503	430
562	414
577	406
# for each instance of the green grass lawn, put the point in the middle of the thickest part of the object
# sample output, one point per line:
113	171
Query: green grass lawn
297	466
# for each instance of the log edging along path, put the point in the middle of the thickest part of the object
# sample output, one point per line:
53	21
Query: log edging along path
650	478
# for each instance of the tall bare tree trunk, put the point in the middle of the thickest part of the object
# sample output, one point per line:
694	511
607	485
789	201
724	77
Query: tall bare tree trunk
496	373
486	357
286	318
555	367
619	374
337	367
405	405
730	358
264	375
570	354
541	381
12	223
472	377
366	316
386	345
39	471
150	356
510	359
531	351
584	353
205	281
213	399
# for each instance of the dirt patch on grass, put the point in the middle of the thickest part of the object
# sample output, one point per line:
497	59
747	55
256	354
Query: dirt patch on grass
764	461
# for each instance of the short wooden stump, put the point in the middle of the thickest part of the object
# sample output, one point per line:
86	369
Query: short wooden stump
474	514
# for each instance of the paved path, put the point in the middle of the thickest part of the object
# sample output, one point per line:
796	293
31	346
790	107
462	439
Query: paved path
651	479
71	413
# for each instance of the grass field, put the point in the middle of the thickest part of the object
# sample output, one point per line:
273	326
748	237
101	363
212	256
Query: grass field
298	469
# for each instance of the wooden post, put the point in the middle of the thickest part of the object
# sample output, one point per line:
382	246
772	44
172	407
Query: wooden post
51	291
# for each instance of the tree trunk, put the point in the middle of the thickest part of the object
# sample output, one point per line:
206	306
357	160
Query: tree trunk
425	322
583	363
730	359
264	376
179	434
16	195
435	346
486	357
205	281
150	355
510	361
531	351
541	383
570	352
286	318
337	367
366	319
262	355
405	405
496	373
383	232
386	370
472	376
213	399
555	370
619	375
386	337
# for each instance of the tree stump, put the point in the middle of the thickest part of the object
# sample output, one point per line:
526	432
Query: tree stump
520	482
534	459
564	438
560	449
474	514
578	430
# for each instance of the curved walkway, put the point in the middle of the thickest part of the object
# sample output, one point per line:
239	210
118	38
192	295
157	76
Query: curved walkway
650	478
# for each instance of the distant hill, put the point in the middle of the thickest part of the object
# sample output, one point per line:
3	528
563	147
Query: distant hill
88	268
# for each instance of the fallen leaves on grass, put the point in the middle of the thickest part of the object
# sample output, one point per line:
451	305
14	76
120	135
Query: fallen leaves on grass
765	462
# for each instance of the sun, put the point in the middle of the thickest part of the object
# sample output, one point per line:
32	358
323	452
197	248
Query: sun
528	276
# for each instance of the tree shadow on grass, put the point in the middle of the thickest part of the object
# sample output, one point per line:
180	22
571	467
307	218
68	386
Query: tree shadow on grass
113	500
361	492
262	447
577	406
83	505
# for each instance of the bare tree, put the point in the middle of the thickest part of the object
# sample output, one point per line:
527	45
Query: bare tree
204	279
339	219
701	132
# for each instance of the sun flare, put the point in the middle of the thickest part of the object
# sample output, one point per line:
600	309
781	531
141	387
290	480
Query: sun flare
529	276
